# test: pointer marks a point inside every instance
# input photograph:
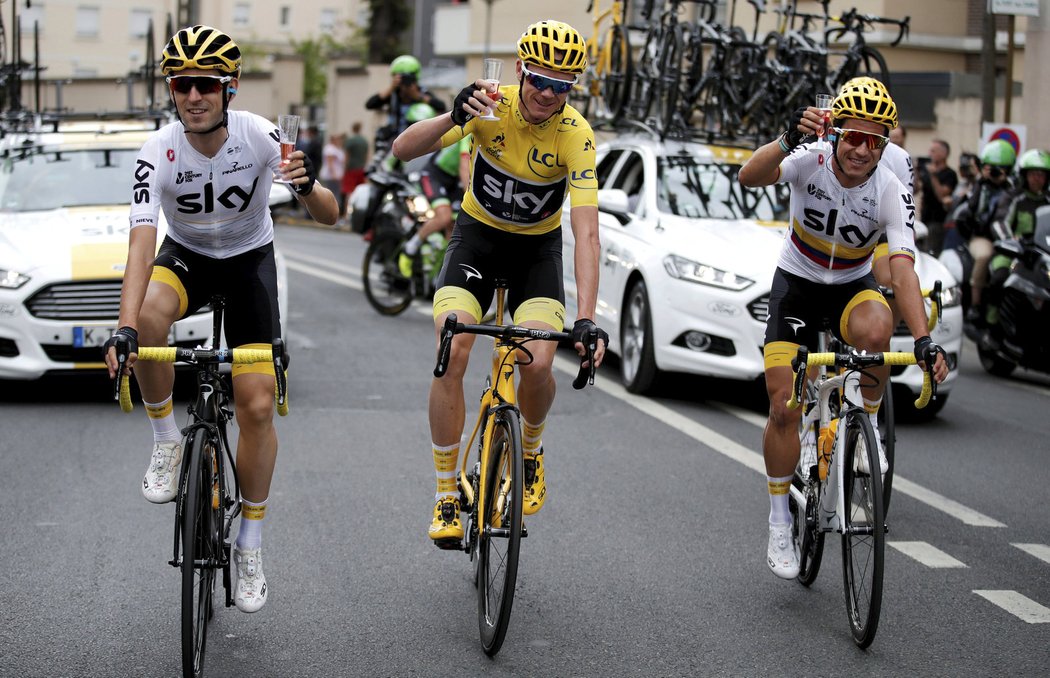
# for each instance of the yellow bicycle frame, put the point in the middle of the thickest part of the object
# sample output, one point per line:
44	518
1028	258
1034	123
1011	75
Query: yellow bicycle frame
600	53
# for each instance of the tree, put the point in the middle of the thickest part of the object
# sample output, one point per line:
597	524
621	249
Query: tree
390	19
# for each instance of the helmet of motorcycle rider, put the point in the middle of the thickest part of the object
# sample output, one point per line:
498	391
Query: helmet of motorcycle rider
419	111
999	153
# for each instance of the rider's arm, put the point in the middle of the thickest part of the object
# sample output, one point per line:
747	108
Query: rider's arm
422	137
584	220
142	250
763	167
321	204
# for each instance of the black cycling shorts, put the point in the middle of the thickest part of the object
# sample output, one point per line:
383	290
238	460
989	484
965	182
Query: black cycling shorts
479	254
440	187
799	309
247	281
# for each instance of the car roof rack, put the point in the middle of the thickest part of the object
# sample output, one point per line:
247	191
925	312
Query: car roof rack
679	133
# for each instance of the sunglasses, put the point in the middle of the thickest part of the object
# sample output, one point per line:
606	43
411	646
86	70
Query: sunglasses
542	82
854	137
205	84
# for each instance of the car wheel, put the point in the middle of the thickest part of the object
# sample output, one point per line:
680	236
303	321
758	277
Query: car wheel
638	369
993	364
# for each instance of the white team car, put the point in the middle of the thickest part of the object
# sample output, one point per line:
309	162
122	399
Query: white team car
687	261
64	199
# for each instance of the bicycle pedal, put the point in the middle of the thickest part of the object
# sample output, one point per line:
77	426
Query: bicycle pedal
450	544
524	530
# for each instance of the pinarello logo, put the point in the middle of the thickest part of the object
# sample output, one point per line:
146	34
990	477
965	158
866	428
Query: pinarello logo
171	155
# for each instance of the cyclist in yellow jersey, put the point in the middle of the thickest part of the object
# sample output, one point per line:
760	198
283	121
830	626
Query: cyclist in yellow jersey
524	163
840	206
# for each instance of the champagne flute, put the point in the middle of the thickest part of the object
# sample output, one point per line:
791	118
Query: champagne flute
490	73
823	103
288	131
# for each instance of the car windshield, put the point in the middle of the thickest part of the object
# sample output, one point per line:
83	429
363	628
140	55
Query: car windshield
688	187
52	180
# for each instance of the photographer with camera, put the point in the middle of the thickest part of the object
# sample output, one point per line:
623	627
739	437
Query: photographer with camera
936	182
403	93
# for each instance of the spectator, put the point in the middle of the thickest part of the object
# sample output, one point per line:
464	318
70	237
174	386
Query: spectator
936	182
332	165
403	92
356	149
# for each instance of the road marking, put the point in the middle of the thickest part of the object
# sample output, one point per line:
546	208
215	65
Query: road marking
1040	551
927	554
324	275
1020	606
322	261
753	460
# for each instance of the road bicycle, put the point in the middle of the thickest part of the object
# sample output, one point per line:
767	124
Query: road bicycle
491	490
207	501
835	487
859	59
605	84
387	288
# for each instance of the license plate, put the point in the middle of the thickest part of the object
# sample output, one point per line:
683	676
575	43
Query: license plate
91	337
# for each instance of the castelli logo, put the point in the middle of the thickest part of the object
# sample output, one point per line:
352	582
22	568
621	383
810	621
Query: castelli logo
171	155
820	159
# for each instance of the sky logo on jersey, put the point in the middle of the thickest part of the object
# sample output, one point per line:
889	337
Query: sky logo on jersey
233	198
140	191
514	200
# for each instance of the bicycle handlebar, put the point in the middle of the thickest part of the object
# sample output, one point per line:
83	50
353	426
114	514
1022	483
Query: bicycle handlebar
934	295
854	22
199	356
516	335
853	360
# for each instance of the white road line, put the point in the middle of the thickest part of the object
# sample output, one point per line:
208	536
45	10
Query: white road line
325	275
321	261
1040	551
1020	606
754	460
927	554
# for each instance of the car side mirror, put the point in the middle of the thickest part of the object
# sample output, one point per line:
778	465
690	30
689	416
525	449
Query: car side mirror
615	202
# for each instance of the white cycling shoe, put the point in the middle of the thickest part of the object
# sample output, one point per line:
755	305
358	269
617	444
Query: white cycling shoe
780	553
251	582
861	463
162	476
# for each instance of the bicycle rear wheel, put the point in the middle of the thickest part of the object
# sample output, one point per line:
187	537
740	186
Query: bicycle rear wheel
616	80
386	289
499	538
863	537
201	549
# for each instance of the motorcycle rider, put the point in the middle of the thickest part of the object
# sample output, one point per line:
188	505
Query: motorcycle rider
1034	171
986	207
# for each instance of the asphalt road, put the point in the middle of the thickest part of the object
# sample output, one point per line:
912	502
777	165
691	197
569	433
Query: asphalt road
647	560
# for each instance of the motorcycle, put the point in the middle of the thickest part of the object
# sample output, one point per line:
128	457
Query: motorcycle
1019	336
388	209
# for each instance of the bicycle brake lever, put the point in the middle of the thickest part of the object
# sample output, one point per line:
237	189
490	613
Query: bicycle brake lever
586	374
445	347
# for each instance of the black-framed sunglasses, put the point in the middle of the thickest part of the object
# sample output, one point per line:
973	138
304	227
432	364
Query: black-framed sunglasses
854	137
205	84
542	82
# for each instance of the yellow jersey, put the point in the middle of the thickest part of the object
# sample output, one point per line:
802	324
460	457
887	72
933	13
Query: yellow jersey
520	172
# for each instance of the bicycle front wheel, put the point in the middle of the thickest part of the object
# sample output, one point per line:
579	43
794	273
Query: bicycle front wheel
864	536
386	289
888	435
200	539
499	538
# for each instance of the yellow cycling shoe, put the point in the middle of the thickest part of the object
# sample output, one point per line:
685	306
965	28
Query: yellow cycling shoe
535	487
404	265
446	528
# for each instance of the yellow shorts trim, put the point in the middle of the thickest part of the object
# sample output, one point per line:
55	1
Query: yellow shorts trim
452	298
881	250
254	368
859	298
168	277
779	353
541	309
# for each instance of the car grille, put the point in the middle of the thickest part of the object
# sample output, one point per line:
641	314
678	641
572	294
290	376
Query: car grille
80	301
759	308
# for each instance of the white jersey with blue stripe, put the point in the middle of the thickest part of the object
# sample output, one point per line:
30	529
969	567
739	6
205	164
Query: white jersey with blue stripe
217	206
834	230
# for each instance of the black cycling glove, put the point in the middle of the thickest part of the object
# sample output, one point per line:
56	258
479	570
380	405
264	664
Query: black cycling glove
582	327
459	116
311	178
926	351
126	339
793	136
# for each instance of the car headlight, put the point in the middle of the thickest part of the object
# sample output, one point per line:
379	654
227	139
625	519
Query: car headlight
951	296
12	280
687	269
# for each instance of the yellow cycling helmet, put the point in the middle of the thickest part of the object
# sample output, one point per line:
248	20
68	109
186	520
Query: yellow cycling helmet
554	45
201	47
865	98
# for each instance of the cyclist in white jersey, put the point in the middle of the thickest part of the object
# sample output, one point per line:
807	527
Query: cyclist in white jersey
840	205
210	173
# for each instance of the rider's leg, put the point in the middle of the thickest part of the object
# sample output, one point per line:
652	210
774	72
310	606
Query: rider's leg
780	449
441	221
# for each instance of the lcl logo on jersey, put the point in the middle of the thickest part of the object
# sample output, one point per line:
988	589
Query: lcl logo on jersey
543	164
233	198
